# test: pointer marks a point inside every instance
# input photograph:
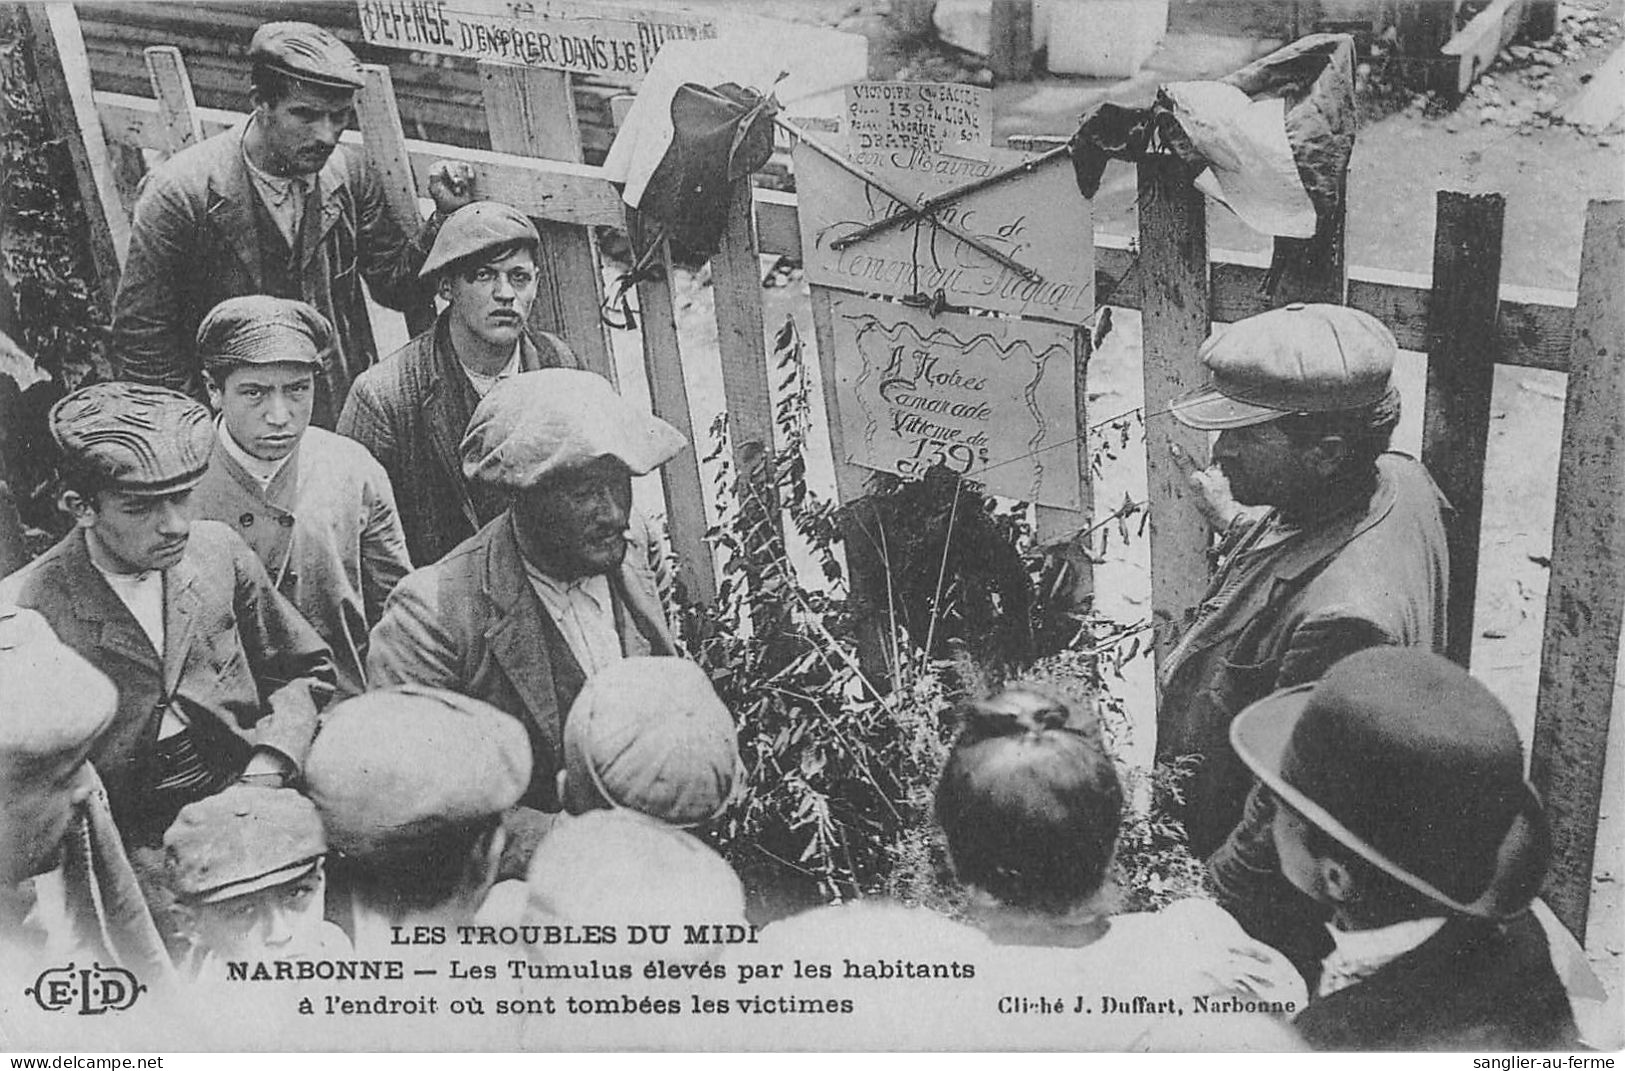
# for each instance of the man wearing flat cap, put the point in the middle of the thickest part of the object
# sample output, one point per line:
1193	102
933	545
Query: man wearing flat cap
412	409
245	867
1347	553
1401	806
66	887
315	506
273	206
218	676
412	785
547	594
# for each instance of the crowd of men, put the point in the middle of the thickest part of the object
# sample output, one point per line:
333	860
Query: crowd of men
340	645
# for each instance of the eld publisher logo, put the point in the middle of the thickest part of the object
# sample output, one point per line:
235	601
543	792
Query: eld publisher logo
95	990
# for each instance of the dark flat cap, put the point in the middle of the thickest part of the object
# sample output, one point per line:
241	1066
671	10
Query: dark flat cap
536	424
260	329
143	440
474	229
241	840
398	764
53	703
308	53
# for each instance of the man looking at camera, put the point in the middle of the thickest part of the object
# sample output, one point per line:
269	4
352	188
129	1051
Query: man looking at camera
273	206
412	409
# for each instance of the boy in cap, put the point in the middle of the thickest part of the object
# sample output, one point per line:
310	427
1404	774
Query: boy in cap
412	785
245	868
218	676
66	887
412	409
315	506
1348	552
1403	808
547	594
273	206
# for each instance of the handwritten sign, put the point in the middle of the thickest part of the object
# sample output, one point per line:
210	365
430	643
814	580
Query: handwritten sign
615	44
943	118
988	397
1038	219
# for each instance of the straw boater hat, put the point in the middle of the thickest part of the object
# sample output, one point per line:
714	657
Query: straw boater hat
1404	759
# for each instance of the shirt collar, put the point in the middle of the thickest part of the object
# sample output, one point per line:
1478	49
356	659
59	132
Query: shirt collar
261	470
1361	953
277	187
594	587
482	382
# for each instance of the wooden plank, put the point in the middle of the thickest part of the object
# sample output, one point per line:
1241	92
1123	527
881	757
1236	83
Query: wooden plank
1063	531
379	117
680	479
531	113
1540	20
1010	40
1585	600
1482	39
1174	274
1461	378
736	283
177	109
64	75
1239	286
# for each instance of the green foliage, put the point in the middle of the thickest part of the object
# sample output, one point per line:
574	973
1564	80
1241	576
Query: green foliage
840	768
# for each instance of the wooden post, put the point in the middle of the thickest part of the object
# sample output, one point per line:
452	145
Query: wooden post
736	283
172	88
532	112
1585	601
1061	529
1313	269
64	75
13	549
1174	307
1010	40
1539	20
1462	348
384	141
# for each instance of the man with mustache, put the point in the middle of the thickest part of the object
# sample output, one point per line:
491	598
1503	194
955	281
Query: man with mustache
315	506
1346	551
412	408
556	587
273	206
218	677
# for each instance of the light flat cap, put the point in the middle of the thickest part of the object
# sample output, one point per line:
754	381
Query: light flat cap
1296	359
141	439
620	866
308	53
53	703
260	329
241	840
475	228
399	764
652	736
535	424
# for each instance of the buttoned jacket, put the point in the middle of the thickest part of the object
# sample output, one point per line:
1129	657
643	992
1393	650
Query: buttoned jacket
239	664
198	236
410	411
327	532
473	623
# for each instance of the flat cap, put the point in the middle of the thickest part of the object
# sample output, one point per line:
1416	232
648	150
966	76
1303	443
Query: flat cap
399	764
260	329
241	840
1296	359
476	227
620	866
535	424
141	439
308	53
53	703
652	736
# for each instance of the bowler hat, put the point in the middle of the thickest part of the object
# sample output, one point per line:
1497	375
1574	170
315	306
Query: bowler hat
1404	759
306	52
140	439
261	329
474	228
1296	359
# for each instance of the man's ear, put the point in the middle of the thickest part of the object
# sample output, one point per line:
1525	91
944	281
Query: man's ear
79	507
486	855
215	383
1328	454
442	287
1338	881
